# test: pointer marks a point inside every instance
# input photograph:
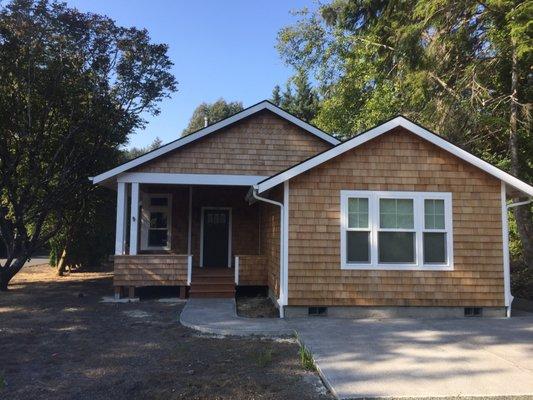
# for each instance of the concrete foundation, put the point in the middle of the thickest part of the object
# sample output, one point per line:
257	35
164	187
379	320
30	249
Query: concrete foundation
395	312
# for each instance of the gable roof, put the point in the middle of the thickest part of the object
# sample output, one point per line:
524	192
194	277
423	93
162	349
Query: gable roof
211	129
364	137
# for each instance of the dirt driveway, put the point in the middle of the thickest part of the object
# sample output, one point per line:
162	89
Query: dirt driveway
58	341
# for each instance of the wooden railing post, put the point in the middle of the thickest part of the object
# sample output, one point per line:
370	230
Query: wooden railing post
189	269
237	270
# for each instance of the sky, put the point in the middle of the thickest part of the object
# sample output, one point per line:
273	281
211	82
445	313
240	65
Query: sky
223	48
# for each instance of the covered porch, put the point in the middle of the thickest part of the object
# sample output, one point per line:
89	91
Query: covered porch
202	237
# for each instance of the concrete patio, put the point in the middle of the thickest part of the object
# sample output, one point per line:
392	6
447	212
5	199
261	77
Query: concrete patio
397	357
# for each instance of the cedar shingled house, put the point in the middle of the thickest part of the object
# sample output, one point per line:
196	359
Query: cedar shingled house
395	221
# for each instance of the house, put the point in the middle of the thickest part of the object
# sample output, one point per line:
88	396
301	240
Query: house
395	221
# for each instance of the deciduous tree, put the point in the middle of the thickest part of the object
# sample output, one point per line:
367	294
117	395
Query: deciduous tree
72	87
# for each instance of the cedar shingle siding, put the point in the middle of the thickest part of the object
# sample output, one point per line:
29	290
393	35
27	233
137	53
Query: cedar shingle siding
262	144
395	161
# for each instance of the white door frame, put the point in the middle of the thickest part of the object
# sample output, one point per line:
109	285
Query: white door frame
229	209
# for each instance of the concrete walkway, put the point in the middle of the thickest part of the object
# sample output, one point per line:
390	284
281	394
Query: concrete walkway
397	357
218	317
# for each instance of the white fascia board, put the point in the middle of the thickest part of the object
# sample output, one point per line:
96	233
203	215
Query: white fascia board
264	105
381	129
191	179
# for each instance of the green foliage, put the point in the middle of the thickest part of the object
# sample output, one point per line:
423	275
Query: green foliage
460	68
521	280
211	113
134	152
72	87
306	358
304	103
3	383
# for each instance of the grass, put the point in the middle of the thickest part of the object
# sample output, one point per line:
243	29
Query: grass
306	358
2	381
264	358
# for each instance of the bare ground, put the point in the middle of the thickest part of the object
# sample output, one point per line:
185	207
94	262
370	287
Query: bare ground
57	340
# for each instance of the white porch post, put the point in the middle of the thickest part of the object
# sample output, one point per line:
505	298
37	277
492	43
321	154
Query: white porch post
189	229
120	234
285	249
134	222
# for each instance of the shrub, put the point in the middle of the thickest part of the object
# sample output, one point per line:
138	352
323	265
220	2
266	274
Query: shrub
521	280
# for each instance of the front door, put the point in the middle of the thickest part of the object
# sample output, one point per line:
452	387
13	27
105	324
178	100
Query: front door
216	233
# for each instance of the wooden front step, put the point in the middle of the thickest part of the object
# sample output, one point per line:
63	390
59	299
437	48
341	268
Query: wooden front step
212	283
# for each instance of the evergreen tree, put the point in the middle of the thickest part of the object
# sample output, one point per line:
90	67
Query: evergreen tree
461	68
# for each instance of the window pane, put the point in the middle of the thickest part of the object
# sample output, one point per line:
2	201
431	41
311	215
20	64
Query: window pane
357	246
158	220
396	213
396	247
159	201
434	248
357	213
157	238
434	214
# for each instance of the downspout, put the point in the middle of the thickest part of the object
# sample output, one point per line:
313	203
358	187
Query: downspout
506	258
281	300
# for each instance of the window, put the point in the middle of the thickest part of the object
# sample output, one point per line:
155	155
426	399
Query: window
156	222
396	230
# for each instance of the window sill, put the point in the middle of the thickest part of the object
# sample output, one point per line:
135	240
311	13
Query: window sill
397	267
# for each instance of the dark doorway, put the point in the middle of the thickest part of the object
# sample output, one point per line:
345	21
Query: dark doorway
216	233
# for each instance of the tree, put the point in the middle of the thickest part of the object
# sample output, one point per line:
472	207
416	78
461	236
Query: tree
304	103
276	96
72	87
460	68
135	152
207	114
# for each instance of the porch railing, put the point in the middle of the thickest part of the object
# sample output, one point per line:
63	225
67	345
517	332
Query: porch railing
189	269
237	261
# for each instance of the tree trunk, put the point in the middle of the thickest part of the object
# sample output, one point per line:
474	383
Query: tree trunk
523	215
62	263
8	272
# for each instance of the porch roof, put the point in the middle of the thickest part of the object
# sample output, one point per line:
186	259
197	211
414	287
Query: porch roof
190	179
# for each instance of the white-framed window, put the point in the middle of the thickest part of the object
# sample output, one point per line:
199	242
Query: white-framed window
396	230
156	222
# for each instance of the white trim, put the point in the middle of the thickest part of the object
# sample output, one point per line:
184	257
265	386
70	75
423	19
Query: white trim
386	127
147	208
191	179
264	105
189	227
237	264
279	301
134	222
285	248
506	258
189	269
418	228
230	231
121	223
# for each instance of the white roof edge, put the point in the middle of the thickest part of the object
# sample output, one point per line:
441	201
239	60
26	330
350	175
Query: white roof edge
210	129
379	130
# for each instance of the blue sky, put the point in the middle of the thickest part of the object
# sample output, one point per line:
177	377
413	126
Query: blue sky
219	49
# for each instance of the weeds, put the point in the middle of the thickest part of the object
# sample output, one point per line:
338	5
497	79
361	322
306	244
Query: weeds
3	383
264	358
306	358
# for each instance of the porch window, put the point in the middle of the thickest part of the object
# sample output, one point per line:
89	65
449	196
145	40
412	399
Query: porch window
156	222
396	230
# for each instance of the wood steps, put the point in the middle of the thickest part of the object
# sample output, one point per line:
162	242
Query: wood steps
212	283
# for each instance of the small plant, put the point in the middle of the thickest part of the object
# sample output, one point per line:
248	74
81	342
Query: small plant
306	358
3	383
264	358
